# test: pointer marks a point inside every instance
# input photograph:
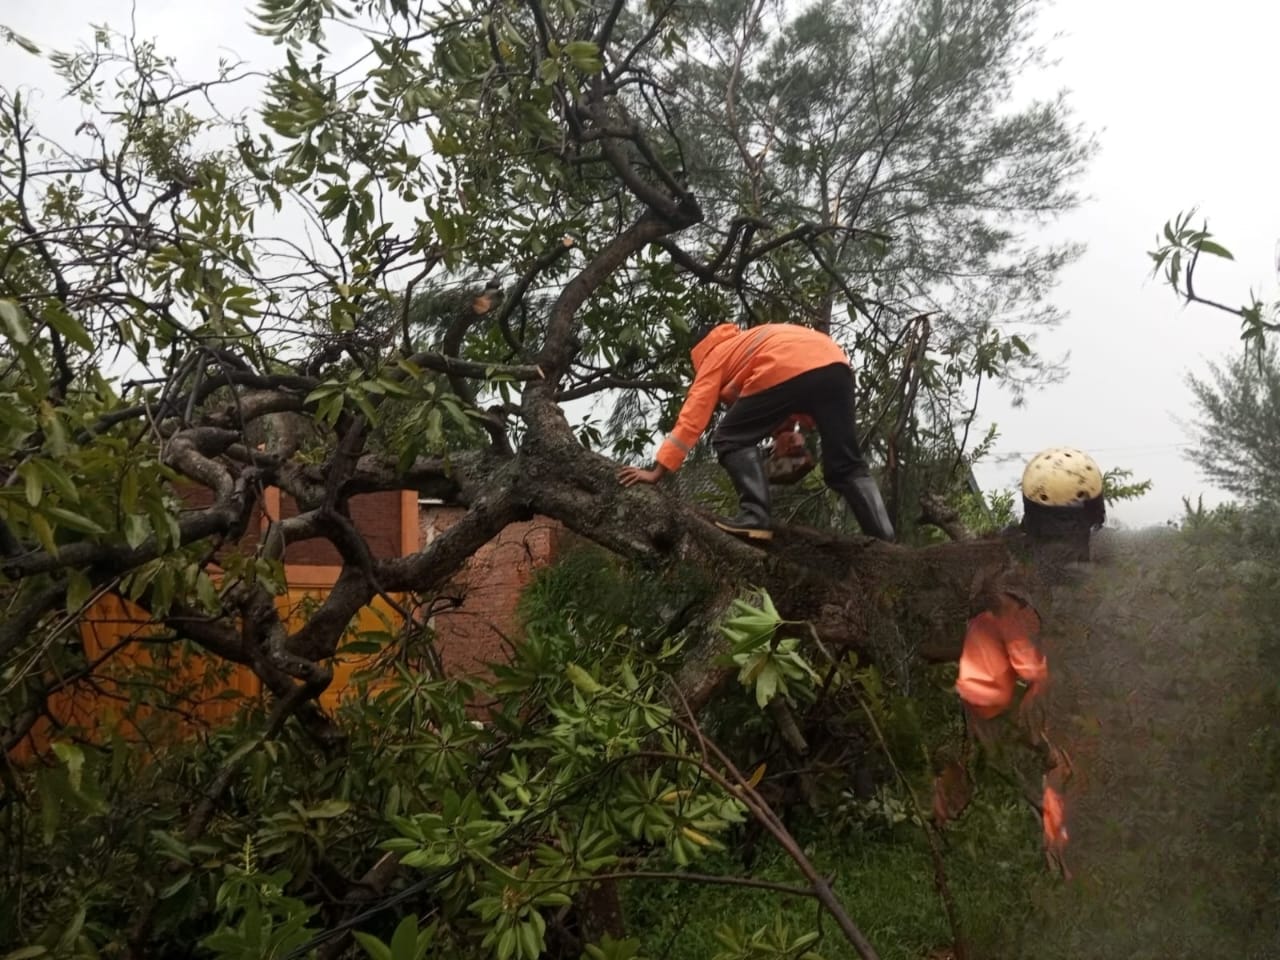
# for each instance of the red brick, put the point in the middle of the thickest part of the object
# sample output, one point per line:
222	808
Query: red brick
472	635
375	515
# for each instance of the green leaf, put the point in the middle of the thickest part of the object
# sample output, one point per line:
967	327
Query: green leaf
366	408
175	887
163	524
329	809
392	386
530	948
15	324
766	684
72	931
13	416
73	757
129	490
136	529
360	648
549	70
207	592
55	433
322	391
26	953
374	947
581	679
33	486
69	327
1214	249
585	56
73	520
507	943
44	533
79	590
31	48
404	942
57	478
766	604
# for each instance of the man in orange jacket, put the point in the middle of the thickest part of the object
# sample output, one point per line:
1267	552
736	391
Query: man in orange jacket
766	374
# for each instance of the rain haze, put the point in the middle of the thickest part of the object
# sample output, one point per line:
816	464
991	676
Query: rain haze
1178	96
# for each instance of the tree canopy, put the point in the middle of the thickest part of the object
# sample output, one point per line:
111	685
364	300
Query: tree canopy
1237	433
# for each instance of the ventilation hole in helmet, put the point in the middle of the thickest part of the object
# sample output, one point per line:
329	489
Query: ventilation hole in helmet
1067	455
1081	495
1044	497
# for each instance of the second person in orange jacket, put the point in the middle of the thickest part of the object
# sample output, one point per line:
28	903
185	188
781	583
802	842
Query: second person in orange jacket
764	375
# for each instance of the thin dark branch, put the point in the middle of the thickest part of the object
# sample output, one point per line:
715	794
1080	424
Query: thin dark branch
608	382
1192	297
515	299
605	33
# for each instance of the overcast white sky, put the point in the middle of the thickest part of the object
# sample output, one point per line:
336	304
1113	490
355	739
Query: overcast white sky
1179	92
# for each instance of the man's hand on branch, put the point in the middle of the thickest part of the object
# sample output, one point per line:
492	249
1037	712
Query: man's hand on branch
630	476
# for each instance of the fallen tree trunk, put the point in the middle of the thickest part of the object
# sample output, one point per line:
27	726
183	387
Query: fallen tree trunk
889	603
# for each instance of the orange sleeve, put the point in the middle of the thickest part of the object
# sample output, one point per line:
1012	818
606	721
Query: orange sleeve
1027	660
985	681
1055	821
1020	627
695	414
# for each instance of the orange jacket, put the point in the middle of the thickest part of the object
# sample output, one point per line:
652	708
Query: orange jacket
999	646
730	363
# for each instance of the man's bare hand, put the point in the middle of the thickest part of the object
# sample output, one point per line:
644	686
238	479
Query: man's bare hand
630	476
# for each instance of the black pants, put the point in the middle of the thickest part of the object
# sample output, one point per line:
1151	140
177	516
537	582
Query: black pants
826	394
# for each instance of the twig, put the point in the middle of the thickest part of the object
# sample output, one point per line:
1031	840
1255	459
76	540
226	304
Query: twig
764	813
931	834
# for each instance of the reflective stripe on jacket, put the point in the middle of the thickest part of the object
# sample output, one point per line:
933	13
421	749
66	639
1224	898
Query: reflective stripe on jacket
730	363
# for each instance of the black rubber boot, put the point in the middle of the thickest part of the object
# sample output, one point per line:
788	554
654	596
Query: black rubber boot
863	497
746	469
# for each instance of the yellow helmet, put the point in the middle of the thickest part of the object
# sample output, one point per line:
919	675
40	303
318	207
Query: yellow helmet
1061	477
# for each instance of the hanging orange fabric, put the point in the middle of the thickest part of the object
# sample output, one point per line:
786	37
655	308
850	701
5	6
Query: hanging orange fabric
999	648
1054	819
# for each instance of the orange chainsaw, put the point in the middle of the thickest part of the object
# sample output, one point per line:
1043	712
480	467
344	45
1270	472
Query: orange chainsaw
789	460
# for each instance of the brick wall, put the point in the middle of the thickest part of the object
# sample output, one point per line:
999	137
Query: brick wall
375	515
471	635
195	498
378	517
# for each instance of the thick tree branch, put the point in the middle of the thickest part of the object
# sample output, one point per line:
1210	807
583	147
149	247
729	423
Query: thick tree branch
935	511
451	346
557	350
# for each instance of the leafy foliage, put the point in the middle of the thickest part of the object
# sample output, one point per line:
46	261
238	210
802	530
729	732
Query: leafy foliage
200	309
1237	431
1235	434
1178	253
580	769
504	820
